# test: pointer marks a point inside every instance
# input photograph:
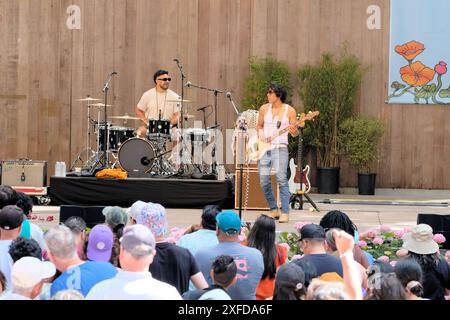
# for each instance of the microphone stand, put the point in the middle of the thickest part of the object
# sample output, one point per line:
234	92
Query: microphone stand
242	138
181	117
106	137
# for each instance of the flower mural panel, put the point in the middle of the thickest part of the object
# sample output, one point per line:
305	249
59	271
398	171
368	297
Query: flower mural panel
419	53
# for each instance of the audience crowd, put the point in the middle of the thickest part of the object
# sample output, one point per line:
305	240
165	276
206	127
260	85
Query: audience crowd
131	257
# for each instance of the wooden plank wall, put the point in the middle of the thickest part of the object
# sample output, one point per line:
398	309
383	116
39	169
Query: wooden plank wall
47	67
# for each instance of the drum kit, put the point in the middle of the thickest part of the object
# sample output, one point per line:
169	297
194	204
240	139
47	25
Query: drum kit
140	157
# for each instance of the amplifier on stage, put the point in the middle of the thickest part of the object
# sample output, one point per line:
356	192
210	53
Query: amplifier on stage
24	173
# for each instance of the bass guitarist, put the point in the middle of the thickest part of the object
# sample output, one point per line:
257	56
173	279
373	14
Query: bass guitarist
273	117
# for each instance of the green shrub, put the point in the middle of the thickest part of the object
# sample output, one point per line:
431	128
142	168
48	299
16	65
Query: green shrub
331	88
262	73
360	139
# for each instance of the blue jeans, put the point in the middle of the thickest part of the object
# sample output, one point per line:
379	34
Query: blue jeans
278	160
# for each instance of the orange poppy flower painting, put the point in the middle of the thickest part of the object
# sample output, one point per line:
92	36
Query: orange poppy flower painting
418	55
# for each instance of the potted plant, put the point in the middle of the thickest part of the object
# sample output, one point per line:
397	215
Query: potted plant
360	139
330	87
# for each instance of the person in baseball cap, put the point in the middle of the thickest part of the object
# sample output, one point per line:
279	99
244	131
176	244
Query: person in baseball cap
229	222
138	240
11	218
100	243
28	275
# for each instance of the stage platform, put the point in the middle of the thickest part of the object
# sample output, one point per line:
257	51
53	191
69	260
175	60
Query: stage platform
170	192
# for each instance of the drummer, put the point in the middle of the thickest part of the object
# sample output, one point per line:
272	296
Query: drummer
155	104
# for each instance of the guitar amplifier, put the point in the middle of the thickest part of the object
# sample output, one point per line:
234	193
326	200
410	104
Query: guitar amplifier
21	173
256	198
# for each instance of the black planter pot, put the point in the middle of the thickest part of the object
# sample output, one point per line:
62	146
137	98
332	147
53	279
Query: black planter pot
366	183
328	180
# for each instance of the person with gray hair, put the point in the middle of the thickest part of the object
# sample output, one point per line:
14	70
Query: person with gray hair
78	227
76	274
134	281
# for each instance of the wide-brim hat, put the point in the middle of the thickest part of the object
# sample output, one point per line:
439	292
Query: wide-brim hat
420	240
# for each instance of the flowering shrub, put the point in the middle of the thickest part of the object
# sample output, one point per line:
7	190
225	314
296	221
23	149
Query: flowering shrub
383	243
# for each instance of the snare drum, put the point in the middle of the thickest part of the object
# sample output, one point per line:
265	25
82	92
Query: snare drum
158	129
136	156
117	136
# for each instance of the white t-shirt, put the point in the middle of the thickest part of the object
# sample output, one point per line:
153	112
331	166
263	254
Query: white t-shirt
38	235
133	286
153	102
6	261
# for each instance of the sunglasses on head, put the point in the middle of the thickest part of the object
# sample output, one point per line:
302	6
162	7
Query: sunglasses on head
270	92
165	79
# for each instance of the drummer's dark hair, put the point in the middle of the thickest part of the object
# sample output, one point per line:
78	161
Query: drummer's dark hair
159	73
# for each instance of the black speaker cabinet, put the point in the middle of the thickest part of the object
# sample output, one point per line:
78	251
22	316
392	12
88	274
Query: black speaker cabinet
24	173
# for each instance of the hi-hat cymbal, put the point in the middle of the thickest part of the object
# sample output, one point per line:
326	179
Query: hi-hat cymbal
184	101
88	99
125	117
100	105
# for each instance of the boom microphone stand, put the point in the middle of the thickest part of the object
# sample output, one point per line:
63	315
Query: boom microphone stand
216	123
106	140
181	117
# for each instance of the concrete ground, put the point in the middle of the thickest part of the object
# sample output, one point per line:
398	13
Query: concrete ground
401	212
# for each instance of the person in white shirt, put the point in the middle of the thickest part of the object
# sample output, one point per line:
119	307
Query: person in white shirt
134	281
28	276
11	218
155	103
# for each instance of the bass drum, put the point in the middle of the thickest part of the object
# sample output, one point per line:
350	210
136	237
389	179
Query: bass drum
136	156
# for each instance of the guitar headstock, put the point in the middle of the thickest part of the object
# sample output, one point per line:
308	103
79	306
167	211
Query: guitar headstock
310	116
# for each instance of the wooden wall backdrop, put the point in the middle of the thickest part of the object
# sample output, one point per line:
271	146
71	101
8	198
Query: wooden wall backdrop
45	68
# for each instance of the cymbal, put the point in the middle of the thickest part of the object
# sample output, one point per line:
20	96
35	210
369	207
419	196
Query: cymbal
100	105
125	117
88	99
184	101
188	116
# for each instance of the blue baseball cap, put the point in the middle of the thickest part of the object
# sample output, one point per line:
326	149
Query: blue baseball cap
229	222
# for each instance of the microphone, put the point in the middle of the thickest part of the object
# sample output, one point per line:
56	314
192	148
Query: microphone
106	87
188	84
203	108
229	95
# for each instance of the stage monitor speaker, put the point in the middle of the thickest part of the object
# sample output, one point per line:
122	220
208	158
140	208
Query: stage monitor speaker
24	173
256	199
91	215
439	223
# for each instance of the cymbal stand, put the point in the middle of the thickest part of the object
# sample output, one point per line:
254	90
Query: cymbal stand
89	152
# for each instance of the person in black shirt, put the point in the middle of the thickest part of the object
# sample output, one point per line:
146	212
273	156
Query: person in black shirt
312	242
172	264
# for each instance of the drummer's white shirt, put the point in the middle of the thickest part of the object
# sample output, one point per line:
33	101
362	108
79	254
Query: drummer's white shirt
151	105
